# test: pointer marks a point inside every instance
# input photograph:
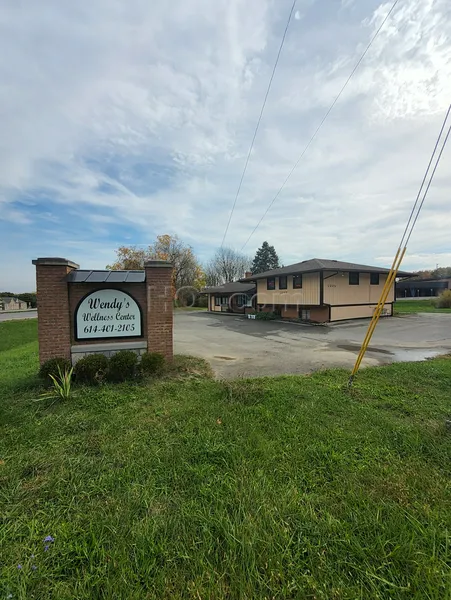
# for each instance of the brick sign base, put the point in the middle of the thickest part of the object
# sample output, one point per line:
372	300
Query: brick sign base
61	289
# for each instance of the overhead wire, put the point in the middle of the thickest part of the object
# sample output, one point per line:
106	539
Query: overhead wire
402	248
430	181
425	175
329	110
258	122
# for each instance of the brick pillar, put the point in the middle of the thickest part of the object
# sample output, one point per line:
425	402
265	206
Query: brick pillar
53	307
159	307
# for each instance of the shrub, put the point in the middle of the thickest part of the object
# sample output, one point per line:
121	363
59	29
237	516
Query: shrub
53	367
266	316
91	369
152	363
444	300
201	301
122	366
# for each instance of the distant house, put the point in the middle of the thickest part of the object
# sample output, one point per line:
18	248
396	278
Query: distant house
11	303
414	288
232	297
322	290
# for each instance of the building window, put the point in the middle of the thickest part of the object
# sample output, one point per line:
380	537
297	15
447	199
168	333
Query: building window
305	314
354	278
217	301
282	283
374	278
224	300
271	283
297	282
242	300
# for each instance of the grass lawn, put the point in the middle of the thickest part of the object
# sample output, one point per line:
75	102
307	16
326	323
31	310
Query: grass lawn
416	306
188	308
287	487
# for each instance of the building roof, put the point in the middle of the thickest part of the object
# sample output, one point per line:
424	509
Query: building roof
9	299
81	276
321	264
231	288
423	284
429	279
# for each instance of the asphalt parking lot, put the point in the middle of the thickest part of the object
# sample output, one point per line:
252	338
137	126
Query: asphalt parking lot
20	314
238	347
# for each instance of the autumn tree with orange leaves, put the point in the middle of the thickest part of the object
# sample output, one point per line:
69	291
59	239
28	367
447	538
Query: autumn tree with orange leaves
187	271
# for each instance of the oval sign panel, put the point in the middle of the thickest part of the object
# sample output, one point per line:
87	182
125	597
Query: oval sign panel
107	314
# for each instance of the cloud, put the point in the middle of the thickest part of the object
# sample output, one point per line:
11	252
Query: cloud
121	124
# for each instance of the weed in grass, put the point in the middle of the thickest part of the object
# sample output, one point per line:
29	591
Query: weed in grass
62	385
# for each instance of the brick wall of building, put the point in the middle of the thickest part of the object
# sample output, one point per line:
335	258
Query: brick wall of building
290	312
319	314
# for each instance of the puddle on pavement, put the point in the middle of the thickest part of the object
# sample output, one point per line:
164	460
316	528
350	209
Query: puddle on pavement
225	357
398	354
356	348
415	354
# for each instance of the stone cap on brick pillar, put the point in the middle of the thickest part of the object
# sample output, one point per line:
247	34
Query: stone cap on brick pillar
150	264
55	262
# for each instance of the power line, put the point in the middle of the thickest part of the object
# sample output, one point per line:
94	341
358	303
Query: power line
258	122
425	177
402	250
429	183
357	65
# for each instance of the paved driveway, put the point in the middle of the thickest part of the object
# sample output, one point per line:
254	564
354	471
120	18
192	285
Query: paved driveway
20	314
238	347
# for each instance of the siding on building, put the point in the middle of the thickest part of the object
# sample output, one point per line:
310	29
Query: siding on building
213	305
338	291
341	313
231	305
309	294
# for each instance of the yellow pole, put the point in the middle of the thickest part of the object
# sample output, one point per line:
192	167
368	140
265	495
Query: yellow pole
379	303
378	310
390	279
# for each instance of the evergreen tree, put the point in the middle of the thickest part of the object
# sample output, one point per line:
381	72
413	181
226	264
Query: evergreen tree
265	259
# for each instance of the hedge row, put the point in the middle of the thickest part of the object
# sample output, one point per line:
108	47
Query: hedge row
95	368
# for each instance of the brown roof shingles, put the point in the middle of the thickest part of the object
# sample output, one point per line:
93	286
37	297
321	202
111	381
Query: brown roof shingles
321	264
235	287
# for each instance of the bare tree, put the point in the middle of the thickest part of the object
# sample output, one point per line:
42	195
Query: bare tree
226	265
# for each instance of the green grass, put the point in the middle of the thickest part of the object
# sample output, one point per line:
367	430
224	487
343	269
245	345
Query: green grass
288	487
416	306
190	308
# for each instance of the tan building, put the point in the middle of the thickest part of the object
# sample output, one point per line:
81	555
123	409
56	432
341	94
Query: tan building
321	290
11	303
233	297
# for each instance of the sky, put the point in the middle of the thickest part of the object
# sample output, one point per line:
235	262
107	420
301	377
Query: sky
121	121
